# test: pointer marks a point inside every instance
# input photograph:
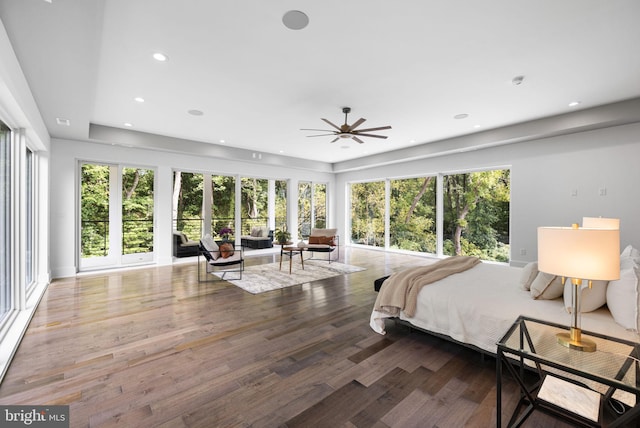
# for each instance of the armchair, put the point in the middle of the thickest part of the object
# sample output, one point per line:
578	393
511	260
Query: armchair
223	258
324	241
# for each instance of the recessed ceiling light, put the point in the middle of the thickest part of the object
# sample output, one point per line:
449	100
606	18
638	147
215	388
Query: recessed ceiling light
517	80
128	125
159	56
412	141
222	141
574	103
345	147
63	122
139	99
461	116
477	126
195	112
295	20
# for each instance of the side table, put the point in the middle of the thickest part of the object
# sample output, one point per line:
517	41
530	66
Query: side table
291	250
583	388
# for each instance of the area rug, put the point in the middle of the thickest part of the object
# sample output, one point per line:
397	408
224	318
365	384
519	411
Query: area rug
260	278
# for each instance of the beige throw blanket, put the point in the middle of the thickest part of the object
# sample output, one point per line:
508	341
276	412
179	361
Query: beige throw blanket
400	291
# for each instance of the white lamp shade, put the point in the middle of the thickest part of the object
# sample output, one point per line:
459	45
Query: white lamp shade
601	223
581	253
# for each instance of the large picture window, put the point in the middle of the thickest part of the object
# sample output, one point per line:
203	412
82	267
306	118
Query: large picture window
412	217
475	214
367	213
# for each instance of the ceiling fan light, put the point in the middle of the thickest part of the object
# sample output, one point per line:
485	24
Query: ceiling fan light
345	135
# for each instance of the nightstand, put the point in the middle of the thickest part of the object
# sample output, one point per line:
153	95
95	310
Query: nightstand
600	388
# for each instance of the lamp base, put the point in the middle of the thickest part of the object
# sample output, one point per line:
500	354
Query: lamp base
574	340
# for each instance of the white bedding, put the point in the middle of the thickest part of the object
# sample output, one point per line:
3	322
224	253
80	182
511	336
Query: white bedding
478	306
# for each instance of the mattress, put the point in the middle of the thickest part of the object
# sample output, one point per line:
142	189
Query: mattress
478	306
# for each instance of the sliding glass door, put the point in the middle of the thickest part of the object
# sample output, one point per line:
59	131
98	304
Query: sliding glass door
117	215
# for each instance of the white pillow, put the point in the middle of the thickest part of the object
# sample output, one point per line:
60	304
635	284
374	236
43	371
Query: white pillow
210	245
623	298
631	253
590	298
546	286
529	273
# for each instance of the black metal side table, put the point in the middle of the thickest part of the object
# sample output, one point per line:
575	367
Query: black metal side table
600	388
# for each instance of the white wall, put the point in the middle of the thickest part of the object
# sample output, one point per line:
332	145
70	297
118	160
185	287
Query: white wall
65	156
544	173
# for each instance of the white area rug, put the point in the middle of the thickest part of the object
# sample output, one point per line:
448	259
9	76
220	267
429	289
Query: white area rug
261	278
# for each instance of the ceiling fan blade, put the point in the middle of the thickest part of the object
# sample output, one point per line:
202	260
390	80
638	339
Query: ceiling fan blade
332	124
380	128
357	139
312	129
337	138
357	123
320	135
370	135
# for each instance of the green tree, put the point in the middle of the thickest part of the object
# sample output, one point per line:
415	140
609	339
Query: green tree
473	212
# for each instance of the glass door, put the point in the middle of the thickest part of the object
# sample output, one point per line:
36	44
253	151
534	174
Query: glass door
117	215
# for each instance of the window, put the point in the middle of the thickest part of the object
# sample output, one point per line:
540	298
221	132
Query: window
368	213
94	210
137	210
255	204
312	207
476	214
5	221
280	204
223	205
187	203
304	208
320	205
30	247
412	217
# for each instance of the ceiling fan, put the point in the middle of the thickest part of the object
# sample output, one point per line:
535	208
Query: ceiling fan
349	131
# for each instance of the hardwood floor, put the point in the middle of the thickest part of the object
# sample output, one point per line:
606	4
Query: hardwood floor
154	348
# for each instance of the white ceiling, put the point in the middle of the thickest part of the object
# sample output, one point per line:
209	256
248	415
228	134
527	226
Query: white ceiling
413	65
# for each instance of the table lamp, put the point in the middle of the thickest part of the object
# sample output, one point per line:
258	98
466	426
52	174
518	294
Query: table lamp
590	253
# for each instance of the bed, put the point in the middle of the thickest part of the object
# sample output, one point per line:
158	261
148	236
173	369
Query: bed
477	306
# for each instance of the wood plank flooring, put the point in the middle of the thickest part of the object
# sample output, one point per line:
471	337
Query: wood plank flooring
153	347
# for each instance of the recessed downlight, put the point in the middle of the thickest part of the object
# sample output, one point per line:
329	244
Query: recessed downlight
461	116
574	103
295	20
194	112
128	124
139	99
159	56
222	141
63	122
